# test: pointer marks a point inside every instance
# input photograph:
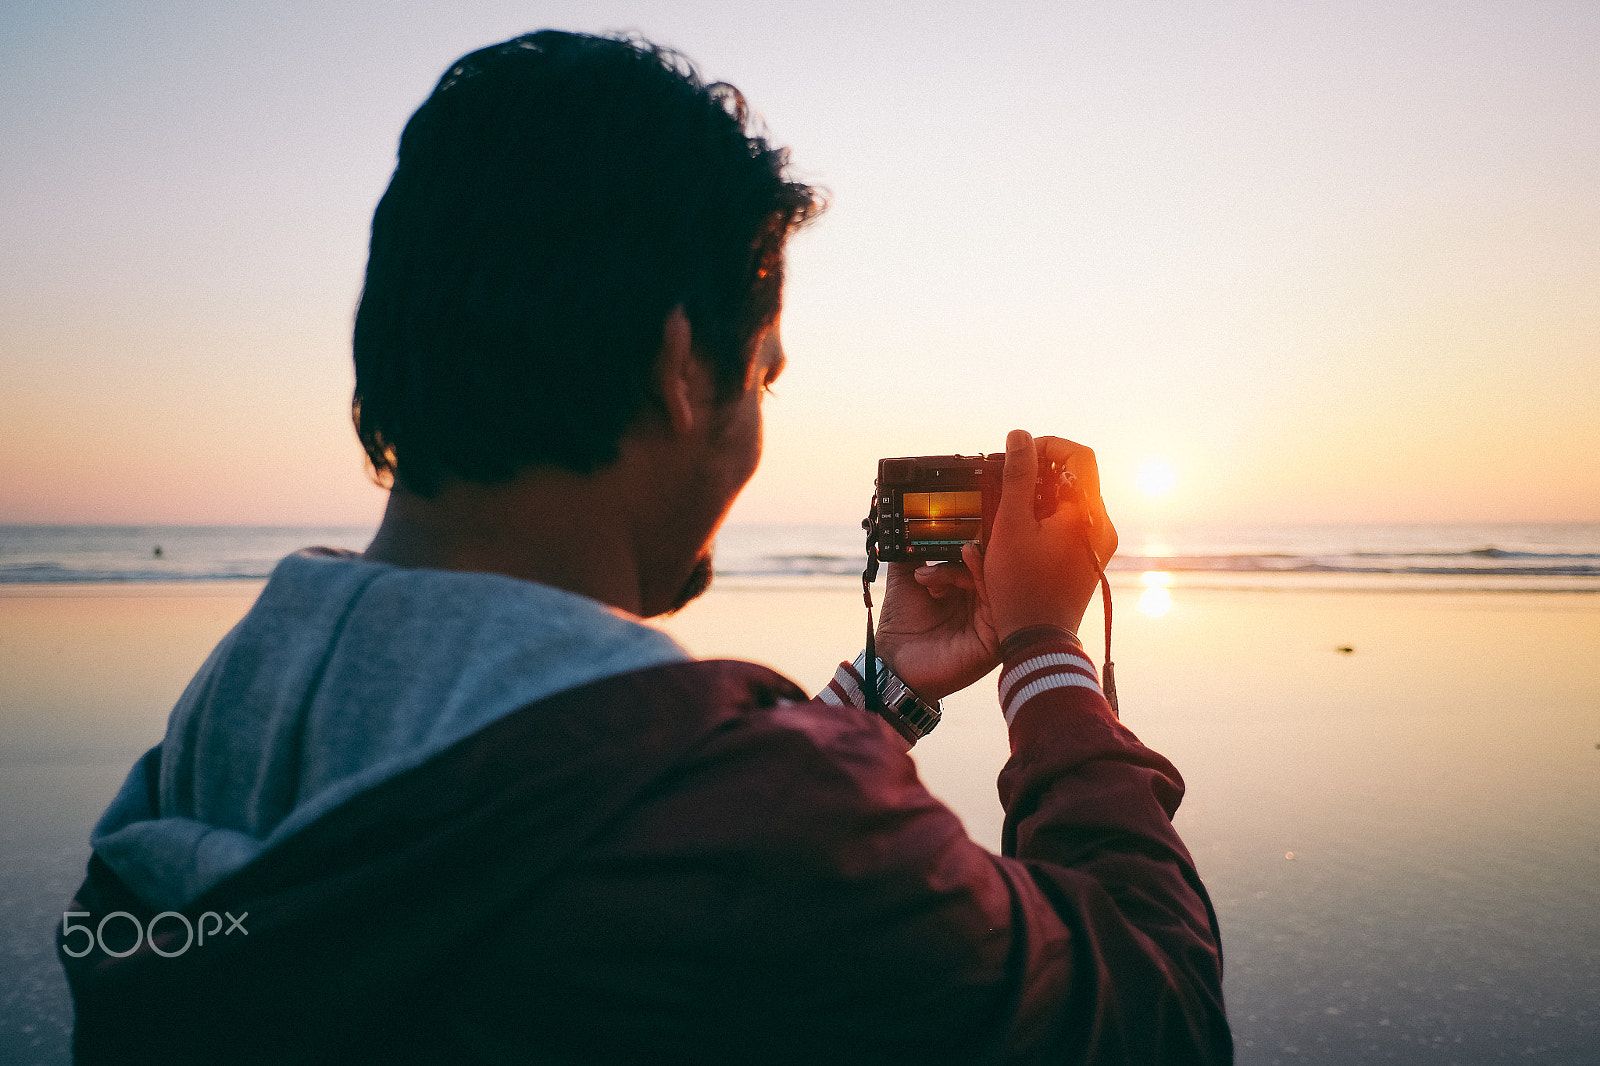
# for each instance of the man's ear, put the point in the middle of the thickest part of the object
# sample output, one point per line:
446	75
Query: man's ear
680	376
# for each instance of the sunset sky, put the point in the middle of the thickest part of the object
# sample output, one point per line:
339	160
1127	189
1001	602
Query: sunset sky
1316	262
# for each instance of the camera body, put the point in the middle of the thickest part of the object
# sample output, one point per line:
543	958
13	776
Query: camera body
926	507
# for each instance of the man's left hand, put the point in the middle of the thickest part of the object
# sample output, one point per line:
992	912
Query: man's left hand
935	631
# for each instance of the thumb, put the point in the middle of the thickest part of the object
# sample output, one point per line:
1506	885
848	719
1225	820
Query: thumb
1017	486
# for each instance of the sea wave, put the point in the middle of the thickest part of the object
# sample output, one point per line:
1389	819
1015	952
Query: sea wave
1470	563
48	574
1547	554
1475	553
1481	562
801	564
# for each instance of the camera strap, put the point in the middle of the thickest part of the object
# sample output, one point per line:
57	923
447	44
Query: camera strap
869	688
1108	672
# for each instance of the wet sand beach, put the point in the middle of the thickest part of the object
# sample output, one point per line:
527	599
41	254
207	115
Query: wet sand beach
1402	839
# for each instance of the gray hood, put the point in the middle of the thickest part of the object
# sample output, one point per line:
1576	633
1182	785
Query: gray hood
343	674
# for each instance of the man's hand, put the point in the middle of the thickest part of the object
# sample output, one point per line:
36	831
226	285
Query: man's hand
935	630
942	625
1041	572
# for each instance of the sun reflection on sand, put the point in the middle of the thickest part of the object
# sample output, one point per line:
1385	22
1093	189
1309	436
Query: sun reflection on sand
1156	600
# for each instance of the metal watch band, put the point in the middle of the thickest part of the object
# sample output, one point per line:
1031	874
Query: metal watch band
910	714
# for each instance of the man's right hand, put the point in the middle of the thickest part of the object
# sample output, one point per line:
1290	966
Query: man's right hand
1039	571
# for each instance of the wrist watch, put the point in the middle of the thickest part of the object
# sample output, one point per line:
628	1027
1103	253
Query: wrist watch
911	715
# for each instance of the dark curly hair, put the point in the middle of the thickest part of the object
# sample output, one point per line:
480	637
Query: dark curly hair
555	198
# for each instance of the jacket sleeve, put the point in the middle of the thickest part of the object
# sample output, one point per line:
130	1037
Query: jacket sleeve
1113	952
1089	821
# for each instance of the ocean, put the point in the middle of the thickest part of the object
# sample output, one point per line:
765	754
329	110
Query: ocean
1490	557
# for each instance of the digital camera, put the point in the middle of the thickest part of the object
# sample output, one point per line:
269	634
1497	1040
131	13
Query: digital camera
926	507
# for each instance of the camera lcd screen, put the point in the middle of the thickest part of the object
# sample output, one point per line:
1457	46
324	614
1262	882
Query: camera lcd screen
943	517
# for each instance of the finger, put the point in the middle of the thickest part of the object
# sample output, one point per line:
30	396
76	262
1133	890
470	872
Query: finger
1071	510
972	558
1104	539
1090	511
1016	487
1079	461
900	574
944	577
1083	491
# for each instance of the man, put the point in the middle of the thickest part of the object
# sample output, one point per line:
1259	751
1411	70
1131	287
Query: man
457	803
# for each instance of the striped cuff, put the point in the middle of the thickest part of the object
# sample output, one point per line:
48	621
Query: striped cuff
845	689
1042	667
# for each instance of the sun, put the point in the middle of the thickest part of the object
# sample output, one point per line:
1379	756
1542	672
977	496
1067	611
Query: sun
1157	476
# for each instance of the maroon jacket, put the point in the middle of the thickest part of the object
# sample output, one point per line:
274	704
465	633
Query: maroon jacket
692	863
